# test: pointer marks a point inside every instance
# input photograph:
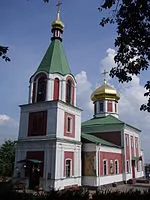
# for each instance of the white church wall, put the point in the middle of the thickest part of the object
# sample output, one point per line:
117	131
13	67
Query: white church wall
75	179
110	179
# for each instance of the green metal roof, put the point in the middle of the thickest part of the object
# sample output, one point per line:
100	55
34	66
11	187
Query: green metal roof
109	119
104	124
97	140
54	60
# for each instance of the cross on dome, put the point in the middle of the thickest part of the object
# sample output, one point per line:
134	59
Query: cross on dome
58	9
104	74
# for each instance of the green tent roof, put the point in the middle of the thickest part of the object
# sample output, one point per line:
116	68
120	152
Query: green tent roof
54	60
97	140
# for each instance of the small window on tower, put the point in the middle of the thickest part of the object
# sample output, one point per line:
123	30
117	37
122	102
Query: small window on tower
69	92
69	125
115	107
101	106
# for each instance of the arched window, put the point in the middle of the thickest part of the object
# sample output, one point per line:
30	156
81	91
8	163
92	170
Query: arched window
41	89
56	89
69	92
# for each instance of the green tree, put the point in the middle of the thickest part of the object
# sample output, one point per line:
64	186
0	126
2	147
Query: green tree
7	158
3	53
132	18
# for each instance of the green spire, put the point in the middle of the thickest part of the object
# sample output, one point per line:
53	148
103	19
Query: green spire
54	60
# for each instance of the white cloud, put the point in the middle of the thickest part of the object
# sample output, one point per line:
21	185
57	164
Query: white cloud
108	62
8	128
4	119
84	91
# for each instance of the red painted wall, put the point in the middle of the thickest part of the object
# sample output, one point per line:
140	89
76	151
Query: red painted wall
56	89
109	106
137	147
72	134
113	137
69	155
109	156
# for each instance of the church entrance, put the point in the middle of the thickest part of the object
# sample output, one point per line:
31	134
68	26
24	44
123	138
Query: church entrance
34	176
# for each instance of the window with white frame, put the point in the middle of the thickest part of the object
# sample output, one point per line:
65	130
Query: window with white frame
128	166
105	167
68	167
116	167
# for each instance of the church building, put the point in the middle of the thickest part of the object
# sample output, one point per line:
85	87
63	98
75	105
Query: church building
54	149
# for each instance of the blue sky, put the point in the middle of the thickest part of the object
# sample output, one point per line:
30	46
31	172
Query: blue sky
26	29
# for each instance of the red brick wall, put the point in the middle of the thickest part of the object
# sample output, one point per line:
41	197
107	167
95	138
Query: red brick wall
113	137
109	156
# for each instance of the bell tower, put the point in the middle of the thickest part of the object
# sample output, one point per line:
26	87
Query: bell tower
49	140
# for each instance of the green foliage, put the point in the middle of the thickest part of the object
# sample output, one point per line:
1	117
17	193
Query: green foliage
7	158
132	18
3	53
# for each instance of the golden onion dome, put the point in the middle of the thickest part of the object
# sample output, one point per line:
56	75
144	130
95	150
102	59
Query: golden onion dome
105	92
57	23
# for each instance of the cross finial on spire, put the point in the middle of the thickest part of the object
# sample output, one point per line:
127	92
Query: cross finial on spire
104	73
58	11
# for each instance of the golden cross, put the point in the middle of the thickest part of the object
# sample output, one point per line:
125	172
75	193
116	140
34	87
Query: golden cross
58	6
104	74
